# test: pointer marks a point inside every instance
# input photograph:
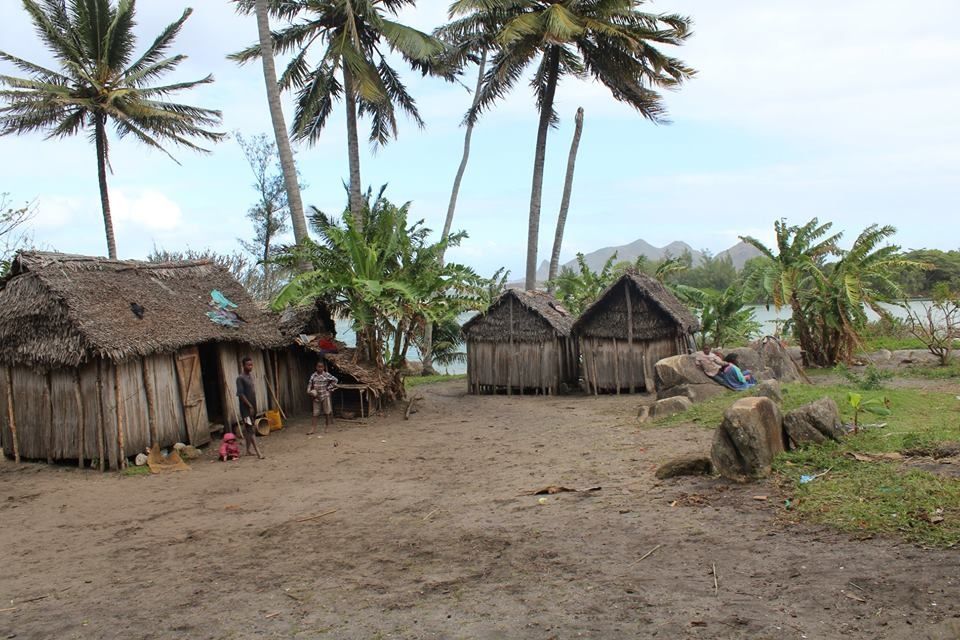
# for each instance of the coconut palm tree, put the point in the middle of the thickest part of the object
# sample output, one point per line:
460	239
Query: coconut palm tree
99	82
353	37
611	41
565	200
289	169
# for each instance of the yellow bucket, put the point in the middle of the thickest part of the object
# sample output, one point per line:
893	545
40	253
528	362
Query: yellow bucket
273	419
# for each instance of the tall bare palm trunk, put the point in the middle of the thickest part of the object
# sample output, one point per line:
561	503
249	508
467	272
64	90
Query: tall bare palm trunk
565	201
297	219
536	190
100	135
353	149
427	355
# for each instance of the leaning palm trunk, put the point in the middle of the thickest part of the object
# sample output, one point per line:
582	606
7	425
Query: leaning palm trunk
427	356
298	222
536	189
100	134
565	201
353	149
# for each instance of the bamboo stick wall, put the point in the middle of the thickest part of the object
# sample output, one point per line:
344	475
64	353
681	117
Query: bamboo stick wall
611	365
74	414
537	367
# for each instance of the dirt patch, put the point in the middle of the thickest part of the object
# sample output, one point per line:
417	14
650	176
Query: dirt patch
429	536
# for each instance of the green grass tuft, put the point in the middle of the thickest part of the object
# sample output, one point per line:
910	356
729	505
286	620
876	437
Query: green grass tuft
133	471
415	381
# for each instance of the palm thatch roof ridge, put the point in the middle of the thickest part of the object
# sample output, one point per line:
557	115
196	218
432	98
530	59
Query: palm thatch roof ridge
60	310
540	303
655	292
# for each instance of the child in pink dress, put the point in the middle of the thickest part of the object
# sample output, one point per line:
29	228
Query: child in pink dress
229	449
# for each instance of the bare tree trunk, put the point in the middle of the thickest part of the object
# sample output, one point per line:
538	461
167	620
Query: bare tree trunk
452	206
536	190
290	181
100	135
353	149
565	201
427	356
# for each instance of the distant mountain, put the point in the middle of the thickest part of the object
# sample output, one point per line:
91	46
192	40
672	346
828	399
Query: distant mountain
738	253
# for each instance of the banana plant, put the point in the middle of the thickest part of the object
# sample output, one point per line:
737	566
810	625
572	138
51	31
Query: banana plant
859	404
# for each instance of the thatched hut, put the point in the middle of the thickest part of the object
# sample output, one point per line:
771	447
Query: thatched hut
634	323
520	344
101	358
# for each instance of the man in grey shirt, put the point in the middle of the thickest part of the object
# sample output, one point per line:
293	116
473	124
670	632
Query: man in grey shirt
247	394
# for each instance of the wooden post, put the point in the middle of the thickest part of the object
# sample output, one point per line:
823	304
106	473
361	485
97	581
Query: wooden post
118	406
48	431
151	404
11	417
616	364
81	417
510	355
101	442
630	376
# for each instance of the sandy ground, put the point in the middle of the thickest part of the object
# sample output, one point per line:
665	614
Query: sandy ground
432	537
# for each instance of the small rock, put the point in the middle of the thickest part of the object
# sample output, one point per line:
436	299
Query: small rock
140	460
670	406
813	423
178	446
691	465
696	393
769	389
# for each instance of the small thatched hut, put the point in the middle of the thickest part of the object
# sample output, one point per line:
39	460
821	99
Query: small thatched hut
101	358
633	324
521	343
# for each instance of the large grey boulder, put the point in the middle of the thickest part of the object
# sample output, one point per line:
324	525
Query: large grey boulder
813	423
747	358
747	440
677	370
775	357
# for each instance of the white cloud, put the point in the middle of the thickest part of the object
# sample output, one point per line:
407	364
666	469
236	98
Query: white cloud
147	209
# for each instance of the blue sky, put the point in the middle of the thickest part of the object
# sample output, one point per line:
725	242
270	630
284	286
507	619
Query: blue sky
845	111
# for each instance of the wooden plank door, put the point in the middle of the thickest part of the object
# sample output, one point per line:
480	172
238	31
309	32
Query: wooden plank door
191	394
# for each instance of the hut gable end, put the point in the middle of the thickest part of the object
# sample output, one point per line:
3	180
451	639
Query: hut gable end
649	320
656	313
537	317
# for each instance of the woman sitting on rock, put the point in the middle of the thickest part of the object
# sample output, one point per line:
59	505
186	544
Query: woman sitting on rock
736	378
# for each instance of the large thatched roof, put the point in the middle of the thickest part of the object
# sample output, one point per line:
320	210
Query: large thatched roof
545	318
60	310
606	317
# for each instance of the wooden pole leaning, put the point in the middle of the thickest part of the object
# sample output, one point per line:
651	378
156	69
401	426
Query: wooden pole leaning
151	404
11	416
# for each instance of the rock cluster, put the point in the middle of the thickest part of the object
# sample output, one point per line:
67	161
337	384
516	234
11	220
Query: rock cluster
753	432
